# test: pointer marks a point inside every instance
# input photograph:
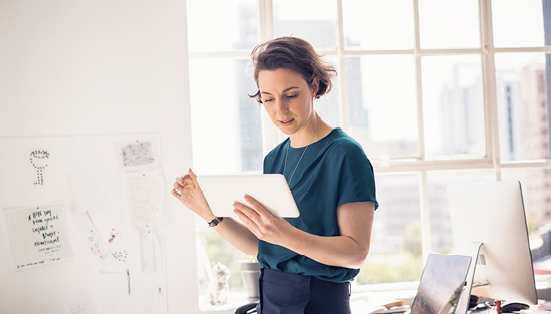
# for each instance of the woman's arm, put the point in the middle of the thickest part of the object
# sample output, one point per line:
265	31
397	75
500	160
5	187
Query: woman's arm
348	250
187	190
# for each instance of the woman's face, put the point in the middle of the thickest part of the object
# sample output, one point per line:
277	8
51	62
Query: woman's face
287	98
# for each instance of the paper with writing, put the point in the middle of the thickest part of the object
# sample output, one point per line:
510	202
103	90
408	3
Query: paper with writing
148	252
81	304
91	238
144	195
37	235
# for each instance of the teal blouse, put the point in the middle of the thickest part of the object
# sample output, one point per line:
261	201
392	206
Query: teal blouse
332	172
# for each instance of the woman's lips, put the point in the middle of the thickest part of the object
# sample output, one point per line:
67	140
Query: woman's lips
286	122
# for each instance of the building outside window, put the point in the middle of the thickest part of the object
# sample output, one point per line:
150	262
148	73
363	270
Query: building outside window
436	92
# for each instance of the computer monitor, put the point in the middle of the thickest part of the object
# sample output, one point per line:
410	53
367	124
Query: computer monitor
492	214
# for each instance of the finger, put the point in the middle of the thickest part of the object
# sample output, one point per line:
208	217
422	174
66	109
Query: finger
247	211
241	215
259	208
175	193
193	178
247	221
177	186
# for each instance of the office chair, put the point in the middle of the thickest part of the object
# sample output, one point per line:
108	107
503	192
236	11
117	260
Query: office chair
247	308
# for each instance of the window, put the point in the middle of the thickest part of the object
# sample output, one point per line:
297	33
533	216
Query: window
436	92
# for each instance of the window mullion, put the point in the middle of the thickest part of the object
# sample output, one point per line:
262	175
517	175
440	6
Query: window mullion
418	81
266	19
426	241
270	134
343	99
489	86
426	234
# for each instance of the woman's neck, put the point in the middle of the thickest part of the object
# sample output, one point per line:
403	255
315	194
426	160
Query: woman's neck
311	133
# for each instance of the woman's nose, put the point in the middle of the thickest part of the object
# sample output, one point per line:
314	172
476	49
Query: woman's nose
282	106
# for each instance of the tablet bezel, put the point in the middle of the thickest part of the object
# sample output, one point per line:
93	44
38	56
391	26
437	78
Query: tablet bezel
271	190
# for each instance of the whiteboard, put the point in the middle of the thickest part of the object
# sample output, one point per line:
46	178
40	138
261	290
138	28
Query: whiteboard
84	175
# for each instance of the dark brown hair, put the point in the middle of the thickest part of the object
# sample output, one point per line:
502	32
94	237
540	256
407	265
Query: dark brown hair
294	54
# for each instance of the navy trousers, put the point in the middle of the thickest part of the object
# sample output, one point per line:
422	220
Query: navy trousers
284	293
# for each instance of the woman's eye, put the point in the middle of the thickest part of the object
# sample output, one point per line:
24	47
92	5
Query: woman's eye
292	96
268	100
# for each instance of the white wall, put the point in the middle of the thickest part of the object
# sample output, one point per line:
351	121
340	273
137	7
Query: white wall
79	67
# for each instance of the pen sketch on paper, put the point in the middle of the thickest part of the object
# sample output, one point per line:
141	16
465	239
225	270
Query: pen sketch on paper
37	235
39	160
113	237
138	155
92	240
81	304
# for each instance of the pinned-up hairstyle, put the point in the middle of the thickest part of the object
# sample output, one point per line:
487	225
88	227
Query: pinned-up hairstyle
294	54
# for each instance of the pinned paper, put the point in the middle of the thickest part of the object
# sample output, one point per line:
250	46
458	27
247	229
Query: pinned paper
37	235
127	292
139	155
91	238
82	304
144	195
149	252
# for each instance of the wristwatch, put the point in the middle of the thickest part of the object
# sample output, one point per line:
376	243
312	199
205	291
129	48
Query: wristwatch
215	221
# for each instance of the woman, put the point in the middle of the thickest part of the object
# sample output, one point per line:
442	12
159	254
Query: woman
307	261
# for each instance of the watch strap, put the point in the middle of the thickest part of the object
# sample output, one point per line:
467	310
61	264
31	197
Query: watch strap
215	221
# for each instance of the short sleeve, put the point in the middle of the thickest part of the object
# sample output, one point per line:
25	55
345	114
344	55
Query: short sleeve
357	181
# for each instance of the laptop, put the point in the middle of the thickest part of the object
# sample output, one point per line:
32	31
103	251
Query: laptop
440	287
441	284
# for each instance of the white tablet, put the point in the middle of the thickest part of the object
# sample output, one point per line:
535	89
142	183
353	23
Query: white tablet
271	190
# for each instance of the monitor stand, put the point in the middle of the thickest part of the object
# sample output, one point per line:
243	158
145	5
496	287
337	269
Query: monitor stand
463	304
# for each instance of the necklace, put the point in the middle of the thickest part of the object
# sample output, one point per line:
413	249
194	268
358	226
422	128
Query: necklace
304	152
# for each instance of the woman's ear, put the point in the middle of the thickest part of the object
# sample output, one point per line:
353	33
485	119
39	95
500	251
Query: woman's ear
315	86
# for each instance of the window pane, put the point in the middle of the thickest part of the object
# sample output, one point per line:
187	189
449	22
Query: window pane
449	24
378	25
315	22
238	17
226	126
440	224
517	23
395	253
453	105
218	250
382	107
328	105
522	106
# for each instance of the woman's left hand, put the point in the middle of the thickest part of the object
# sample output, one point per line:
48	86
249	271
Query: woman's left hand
263	224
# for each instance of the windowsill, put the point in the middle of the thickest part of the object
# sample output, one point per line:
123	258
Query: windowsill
235	300
365	298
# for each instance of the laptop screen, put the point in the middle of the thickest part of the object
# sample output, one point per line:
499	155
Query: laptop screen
441	284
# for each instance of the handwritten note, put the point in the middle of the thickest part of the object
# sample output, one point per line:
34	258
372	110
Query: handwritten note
81	304
37	235
91	238
144	195
148	254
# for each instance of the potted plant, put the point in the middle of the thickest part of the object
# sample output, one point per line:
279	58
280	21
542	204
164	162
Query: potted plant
250	272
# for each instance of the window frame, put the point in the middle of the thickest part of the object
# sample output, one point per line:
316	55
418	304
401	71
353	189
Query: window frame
420	164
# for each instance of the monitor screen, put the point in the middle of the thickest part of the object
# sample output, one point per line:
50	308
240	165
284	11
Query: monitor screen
493	214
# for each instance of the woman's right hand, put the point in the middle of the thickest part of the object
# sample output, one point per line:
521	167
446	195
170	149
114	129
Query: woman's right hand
187	190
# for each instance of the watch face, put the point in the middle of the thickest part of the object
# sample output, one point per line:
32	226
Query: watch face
215	222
